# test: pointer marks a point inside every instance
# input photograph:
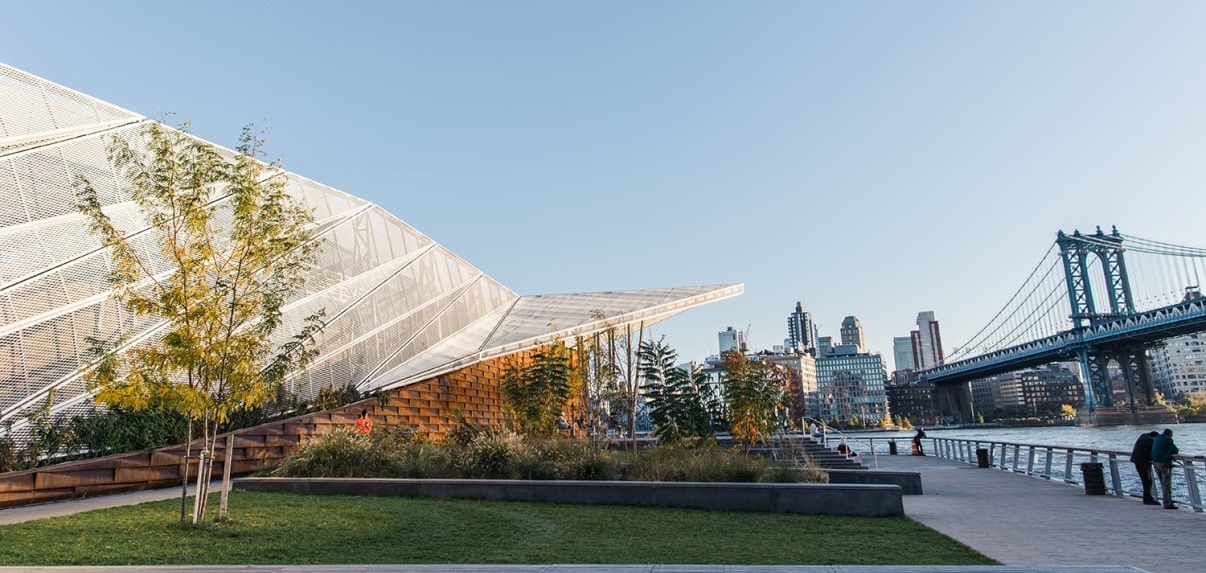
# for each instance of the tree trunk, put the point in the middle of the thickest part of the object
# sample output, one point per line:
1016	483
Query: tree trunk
633	388
226	475
204	471
188	448
199	496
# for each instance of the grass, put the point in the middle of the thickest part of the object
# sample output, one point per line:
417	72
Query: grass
279	528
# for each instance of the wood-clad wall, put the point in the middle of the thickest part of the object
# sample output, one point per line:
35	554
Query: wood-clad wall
474	391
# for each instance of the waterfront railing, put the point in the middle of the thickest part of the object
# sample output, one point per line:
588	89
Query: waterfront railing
1062	463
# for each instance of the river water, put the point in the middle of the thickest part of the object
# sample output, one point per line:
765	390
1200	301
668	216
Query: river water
1190	438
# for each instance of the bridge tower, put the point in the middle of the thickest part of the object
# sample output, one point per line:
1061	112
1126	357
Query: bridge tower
1075	250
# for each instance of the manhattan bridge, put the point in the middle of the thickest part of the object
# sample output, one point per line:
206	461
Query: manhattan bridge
1097	299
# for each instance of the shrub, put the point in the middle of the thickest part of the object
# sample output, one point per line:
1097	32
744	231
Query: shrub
531	463
422	460
593	465
391	452
340	453
489	456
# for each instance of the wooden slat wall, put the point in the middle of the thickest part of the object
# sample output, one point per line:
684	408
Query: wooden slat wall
427	406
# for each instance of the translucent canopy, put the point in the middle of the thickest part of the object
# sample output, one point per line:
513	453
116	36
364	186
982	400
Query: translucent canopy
399	307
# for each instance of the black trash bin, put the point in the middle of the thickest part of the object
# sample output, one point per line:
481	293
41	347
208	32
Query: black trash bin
982	458
1094	477
891	447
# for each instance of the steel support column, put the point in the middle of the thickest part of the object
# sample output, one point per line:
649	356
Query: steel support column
1074	252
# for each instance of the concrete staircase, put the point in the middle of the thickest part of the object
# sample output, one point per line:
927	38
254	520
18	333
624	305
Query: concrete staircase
805	450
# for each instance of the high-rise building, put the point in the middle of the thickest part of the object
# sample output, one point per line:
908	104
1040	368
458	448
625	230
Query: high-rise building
824	346
852	334
927	342
732	339
801	332
902	353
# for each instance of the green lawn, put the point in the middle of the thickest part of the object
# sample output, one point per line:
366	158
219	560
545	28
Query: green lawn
278	528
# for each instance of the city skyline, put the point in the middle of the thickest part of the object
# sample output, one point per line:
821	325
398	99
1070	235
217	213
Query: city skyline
871	160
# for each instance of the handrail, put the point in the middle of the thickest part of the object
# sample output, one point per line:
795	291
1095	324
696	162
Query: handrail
826	429
1053	462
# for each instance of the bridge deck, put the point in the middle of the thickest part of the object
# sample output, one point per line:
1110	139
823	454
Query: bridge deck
1021	520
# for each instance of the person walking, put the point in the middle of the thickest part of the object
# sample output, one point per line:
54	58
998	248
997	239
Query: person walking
1163	450
1141	456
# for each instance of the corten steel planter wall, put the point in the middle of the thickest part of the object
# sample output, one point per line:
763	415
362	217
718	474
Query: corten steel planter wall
427	406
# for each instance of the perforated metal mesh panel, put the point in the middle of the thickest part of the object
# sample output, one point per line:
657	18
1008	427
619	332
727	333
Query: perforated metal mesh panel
397	305
384	286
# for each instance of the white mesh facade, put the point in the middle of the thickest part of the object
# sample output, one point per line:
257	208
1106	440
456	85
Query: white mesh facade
399	307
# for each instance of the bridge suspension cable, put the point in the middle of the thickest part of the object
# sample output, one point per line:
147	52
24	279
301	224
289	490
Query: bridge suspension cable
1032	311
1156	273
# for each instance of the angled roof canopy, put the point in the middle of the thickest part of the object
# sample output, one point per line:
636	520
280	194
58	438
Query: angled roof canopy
400	308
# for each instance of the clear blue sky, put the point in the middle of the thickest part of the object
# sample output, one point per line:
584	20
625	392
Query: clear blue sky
865	158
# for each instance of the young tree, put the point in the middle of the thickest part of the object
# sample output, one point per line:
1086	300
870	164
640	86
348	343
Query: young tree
230	247
680	401
601	378
753	396
537	391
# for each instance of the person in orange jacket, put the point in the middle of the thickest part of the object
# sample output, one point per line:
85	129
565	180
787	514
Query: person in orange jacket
364	424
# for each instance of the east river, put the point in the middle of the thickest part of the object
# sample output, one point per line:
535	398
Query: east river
1190	438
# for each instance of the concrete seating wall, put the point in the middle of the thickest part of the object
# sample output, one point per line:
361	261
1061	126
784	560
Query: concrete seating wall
804	498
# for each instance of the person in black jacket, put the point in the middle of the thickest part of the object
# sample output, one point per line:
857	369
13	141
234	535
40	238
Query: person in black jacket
917	450
1141	456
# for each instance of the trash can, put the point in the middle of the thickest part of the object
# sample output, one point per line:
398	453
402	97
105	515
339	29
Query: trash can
1094	478
982	458
891	447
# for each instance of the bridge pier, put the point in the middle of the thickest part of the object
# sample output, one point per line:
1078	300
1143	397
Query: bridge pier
955	400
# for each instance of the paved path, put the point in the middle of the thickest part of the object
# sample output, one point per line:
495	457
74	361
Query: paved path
1030	525
1021	520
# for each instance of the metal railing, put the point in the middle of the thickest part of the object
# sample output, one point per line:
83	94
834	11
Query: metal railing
1057	463
828	435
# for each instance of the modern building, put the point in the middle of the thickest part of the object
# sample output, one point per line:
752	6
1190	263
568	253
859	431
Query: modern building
732	339
852	384
801	332
402	311
1039	391
913	400
824	346
852	333
902	353
927	342
802	378
1179	365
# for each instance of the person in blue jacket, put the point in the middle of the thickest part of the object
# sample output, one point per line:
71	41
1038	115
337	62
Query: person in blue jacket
1163	450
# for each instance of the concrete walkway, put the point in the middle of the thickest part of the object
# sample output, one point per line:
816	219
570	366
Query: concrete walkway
1021	520
1030	525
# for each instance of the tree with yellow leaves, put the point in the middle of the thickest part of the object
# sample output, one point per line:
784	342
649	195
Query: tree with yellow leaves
224	248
